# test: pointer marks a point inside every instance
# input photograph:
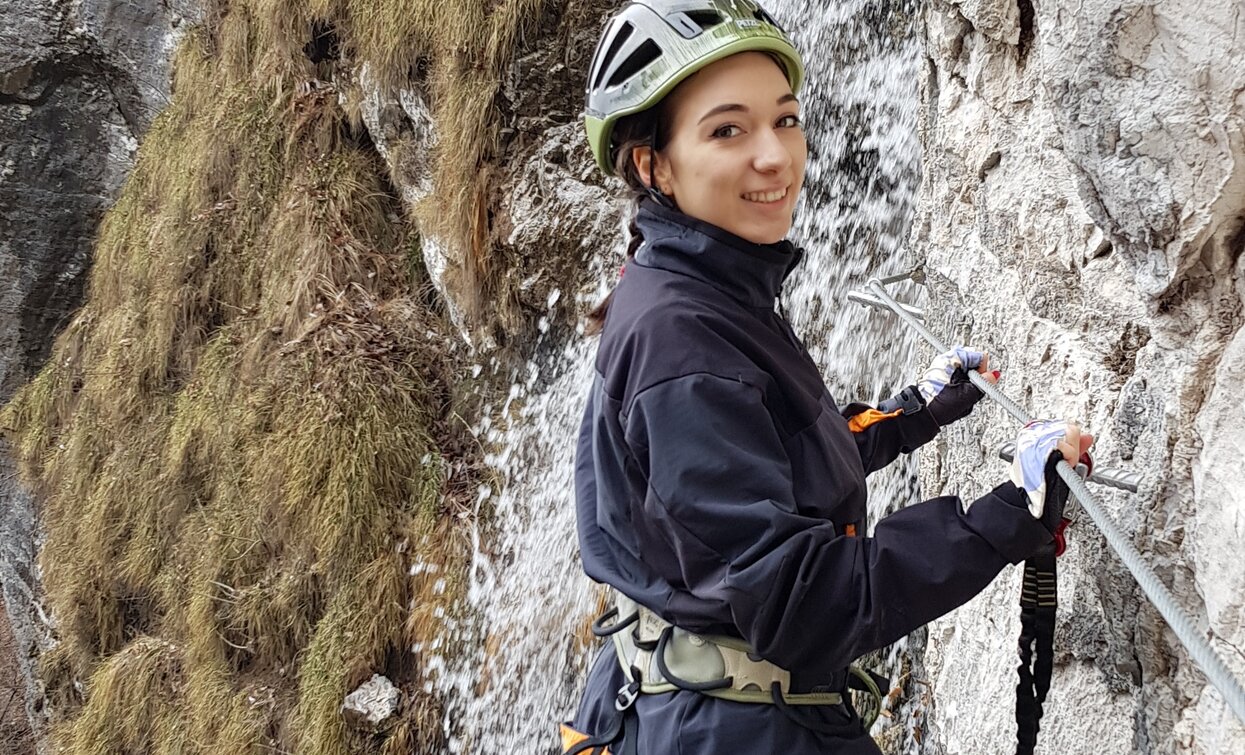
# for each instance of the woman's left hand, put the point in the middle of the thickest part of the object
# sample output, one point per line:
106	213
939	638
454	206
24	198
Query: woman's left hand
948	393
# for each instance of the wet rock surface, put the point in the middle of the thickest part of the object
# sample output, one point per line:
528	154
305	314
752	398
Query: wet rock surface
16	737
26	630
1081	218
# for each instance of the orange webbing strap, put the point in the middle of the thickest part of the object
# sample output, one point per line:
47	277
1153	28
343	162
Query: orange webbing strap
570	738
858	423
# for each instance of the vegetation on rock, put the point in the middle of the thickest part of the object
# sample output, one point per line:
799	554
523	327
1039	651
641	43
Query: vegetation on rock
240	440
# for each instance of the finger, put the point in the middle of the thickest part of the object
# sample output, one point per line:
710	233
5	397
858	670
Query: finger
969	358
991	376
1087	440
1070	444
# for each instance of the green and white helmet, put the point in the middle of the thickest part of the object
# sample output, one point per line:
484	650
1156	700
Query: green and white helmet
650	46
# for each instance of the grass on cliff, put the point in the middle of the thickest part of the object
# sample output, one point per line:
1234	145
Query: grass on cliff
238	439
453	52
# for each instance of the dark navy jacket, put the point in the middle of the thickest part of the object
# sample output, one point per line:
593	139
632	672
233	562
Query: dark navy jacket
719	484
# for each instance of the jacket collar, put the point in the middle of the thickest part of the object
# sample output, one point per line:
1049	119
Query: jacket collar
750	273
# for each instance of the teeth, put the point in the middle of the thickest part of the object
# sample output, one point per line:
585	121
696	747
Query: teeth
767	196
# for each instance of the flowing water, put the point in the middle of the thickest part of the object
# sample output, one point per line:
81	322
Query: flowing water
529	602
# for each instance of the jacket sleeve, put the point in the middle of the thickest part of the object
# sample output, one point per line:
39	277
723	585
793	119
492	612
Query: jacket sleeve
881	436
719	521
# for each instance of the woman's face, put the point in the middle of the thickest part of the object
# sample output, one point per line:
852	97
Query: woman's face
736	153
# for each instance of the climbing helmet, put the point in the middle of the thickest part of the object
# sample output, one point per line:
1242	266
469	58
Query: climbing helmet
650	46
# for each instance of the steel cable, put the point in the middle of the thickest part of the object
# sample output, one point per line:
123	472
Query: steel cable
1199	649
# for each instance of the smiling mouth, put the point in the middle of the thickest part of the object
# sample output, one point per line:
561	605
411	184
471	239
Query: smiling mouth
767	197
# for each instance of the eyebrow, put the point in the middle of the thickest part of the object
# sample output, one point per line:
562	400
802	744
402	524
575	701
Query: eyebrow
734	106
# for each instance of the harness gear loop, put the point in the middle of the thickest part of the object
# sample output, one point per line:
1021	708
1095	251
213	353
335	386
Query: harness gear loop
863	680
601	629
657	656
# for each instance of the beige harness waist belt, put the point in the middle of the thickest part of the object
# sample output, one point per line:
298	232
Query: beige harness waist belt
722	667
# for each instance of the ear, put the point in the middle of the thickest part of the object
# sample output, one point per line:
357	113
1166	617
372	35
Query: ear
641	156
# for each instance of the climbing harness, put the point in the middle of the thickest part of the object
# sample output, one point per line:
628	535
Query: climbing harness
657	656
1039	583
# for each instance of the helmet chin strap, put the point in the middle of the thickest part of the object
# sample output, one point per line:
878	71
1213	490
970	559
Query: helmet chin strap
653	191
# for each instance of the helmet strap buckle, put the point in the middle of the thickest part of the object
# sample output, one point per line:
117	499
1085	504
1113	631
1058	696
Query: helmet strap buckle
660	198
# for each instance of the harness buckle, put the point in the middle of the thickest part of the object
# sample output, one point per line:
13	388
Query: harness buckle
627	695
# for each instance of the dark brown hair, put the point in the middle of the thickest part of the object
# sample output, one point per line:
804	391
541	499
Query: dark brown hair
647	128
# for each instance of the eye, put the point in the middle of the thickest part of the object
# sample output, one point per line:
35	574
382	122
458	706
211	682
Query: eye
722	132
790	121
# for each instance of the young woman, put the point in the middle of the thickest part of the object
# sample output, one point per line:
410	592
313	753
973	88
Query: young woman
720	488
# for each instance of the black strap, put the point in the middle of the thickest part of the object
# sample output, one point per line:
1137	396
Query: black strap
1038	599
601	629
852	725
625	724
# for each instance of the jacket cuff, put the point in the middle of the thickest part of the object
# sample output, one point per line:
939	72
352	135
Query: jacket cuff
918	429
1001	517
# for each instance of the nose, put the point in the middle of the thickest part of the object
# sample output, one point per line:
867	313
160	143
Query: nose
772	155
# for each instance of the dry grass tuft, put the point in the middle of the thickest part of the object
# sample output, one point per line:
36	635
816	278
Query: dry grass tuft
238	438
135	704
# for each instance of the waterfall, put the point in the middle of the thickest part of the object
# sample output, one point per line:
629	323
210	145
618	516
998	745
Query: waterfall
528	602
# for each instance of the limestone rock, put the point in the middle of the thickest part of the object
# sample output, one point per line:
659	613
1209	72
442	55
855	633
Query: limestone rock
403	130
372	704
996	19
79	85
1080	217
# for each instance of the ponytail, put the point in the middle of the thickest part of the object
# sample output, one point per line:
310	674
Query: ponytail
596	318
647	128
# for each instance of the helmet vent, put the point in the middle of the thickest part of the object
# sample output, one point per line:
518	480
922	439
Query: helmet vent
693	23
620	38
761	15
644	54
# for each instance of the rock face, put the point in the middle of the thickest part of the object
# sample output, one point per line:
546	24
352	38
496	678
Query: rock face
372	704
79	84
547	209
1083	217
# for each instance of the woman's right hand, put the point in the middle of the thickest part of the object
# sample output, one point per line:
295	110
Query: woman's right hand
1040	445
948	393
